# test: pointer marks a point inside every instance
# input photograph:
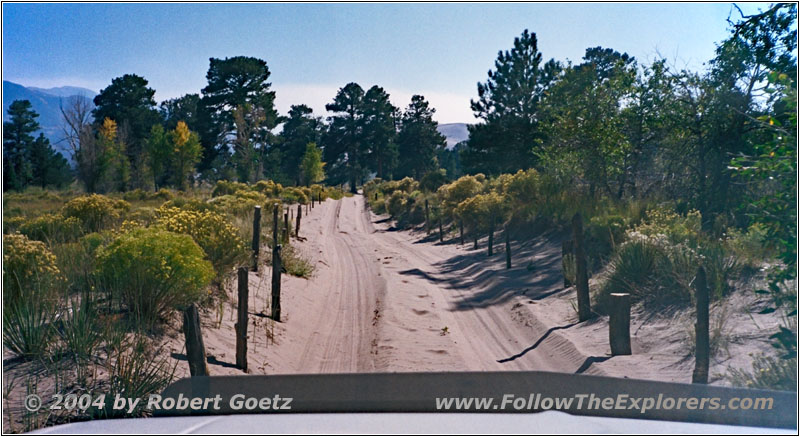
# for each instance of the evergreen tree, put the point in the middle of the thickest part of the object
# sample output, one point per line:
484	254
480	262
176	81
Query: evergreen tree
379	132
129	103
299	129
49	168
509	103
419	141
239	109
17	144
344	143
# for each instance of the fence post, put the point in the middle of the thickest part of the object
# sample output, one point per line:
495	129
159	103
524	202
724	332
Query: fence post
491	237
285	228
566	253
619	323
441	233
276	284
427	218
195	350
508	249
702	341
299	216
461	231
256	236
581	275
241	322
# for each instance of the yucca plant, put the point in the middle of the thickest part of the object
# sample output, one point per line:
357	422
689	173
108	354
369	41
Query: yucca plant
27	326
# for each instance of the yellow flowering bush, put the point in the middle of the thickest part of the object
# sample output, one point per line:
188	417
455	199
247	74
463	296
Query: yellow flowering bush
218	238
269	188
153	271
222	188
29	269
52	228
96	212
295	195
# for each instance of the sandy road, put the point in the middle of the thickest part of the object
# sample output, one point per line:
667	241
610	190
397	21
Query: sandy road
385	302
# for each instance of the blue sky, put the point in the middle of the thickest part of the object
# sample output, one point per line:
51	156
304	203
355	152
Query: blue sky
438	50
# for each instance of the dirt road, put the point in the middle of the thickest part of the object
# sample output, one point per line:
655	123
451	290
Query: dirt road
388	300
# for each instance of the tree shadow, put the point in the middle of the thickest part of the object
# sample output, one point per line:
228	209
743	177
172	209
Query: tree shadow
537	343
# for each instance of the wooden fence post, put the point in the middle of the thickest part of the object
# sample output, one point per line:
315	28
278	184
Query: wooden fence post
195	350
285	227
427	218
276	284
508	249
241	322
566	253
441	233
461	231
275	226
491	237
581	275
702	340
256	236
297	226
619	323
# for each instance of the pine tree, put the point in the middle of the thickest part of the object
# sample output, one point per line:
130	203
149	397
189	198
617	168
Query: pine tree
379	132
299	129
344	142
508	103
418	140
17	144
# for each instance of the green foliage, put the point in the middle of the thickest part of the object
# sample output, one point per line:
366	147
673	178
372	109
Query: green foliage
295	264
222	188
312	167
80	331
418	140
154	271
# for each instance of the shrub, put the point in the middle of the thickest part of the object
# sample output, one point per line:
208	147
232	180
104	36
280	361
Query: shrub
677	228
751	246
95	212
52	228
232	205
154	271
295	264
269	188
218	238
294	195
396	202
190	203
222	188
433	180
602	235
80	331
30	270
12	224
481	211
458	191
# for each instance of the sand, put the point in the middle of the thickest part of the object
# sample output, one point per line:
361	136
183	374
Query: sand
388	300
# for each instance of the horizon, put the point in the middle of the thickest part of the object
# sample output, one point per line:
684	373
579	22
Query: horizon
440	51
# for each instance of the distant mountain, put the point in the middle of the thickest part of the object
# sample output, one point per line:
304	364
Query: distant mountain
46	103
455	133
66	91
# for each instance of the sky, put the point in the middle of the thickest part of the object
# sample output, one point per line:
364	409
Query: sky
438	50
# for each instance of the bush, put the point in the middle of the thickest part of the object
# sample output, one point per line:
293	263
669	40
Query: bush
222	188
30	270
154	271
190	204
433	180
218	238
52	228
481	211
396	202
295	264
269	188
295	195
95	212
234	206
458	191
